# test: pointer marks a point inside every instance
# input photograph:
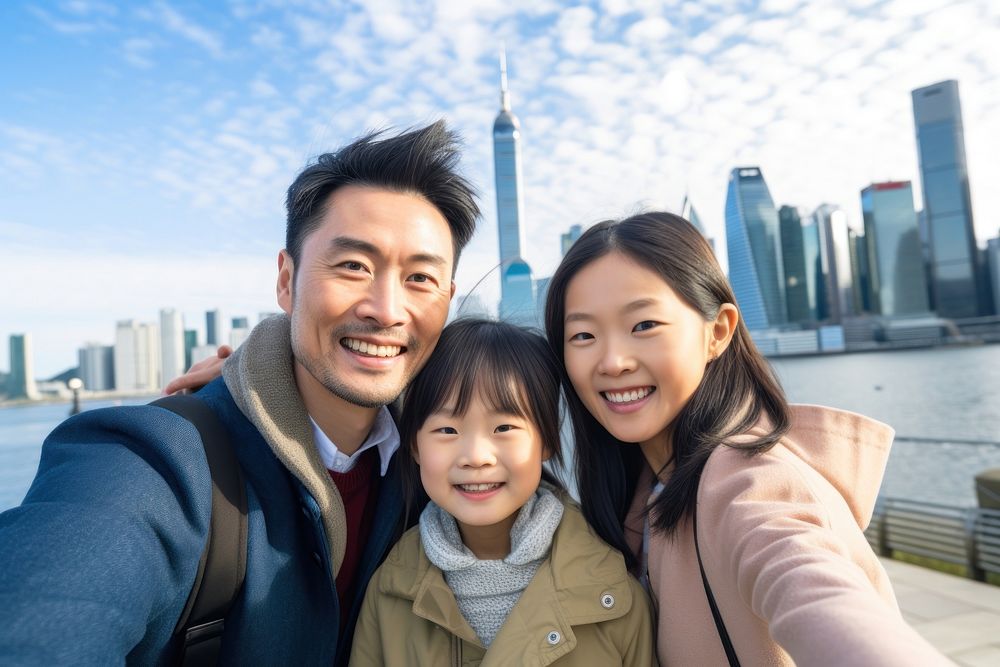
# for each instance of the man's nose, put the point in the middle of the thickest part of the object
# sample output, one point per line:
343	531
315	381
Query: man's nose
385	303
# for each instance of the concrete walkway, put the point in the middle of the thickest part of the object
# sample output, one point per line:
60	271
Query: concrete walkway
959	616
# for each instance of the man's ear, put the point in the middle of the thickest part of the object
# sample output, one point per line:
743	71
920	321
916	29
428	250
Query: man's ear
452	295
286	281
722	330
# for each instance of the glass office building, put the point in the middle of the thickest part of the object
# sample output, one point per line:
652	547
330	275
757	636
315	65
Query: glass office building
754	244
835	262
794	265
954	262
895	261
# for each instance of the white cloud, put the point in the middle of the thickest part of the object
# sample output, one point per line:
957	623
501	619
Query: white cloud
175	22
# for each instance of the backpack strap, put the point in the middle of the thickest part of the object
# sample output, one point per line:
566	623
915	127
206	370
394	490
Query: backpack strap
222	568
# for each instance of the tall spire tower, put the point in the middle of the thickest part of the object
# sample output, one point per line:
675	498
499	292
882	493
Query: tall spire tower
516	293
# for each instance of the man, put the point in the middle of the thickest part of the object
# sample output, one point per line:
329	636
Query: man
97	563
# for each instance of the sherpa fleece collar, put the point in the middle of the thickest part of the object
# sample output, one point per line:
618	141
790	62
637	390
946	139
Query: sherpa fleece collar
260	376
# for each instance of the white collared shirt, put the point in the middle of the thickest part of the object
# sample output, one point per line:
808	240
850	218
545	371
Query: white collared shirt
383	435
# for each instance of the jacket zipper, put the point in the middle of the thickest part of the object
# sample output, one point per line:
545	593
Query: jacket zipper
456	651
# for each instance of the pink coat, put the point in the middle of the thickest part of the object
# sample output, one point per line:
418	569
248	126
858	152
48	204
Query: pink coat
783	548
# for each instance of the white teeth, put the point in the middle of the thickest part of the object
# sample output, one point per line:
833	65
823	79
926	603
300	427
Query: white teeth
478	487
627	396
371	349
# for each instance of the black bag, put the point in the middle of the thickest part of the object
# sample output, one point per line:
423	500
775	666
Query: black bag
223	564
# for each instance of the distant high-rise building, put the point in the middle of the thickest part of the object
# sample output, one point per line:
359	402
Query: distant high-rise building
137	356
993	263
955	276
241	323
815	285
97	366
190	342
895	262
213	327
171	344
754	243
689	213
835	258
861	272
510	204
21	381
567	239
518	305
794	265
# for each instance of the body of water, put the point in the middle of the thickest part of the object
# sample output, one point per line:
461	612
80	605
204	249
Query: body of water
944	404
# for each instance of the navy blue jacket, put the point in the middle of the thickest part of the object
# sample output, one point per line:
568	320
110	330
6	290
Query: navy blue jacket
97	562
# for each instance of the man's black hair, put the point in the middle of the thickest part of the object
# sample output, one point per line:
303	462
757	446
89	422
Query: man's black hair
421	161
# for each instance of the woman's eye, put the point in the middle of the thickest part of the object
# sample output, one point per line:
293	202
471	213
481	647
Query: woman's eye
504	428
446	430
645	325
583	335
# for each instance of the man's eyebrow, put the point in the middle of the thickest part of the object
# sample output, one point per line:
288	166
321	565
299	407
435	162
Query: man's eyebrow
359	245
429	258
351	243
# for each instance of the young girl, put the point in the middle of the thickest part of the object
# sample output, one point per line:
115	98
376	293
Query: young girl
501	569
745	513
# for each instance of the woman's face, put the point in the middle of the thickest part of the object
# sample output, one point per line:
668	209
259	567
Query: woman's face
635	352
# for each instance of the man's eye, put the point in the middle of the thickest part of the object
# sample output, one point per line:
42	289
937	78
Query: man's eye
353	266
420	278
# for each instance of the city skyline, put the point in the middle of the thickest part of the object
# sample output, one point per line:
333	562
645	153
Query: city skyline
144	151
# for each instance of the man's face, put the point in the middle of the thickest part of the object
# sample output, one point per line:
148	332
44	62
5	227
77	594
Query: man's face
369	294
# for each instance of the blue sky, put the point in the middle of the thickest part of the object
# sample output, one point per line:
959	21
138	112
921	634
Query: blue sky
145	147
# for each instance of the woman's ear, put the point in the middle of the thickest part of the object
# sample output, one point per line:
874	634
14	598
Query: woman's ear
721	330
546	453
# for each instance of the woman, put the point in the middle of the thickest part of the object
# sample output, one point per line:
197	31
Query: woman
685	444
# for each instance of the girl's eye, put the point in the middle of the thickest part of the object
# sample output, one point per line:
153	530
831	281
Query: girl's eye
504	428
446	430
645	325
583	335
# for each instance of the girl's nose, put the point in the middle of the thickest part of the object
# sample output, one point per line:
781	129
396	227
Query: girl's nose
477	451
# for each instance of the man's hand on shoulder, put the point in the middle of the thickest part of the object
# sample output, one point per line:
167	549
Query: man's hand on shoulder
199	374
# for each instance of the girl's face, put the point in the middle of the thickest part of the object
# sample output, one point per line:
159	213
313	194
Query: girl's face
480	467
635	351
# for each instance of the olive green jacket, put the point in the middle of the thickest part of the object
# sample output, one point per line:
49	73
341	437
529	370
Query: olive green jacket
581	608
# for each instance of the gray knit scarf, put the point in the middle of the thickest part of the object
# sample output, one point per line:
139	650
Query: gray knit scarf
487	590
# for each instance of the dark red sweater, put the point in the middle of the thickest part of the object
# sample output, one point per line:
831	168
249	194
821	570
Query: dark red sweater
359	490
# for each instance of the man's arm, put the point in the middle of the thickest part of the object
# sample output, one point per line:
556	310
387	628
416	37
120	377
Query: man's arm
98	560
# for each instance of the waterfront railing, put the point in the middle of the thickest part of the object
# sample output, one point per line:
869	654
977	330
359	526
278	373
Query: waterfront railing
968	537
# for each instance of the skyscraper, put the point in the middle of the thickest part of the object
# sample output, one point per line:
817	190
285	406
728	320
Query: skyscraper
835	259
993	266
137	356
895	260
510	207
97	367
213	327
567	239
955	272
794	265
190	342
21	382
754	244
171	344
